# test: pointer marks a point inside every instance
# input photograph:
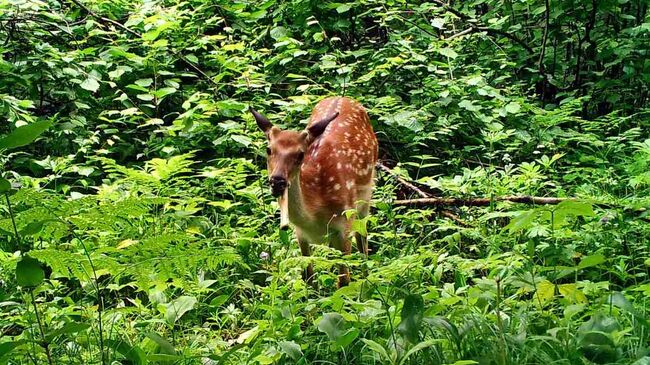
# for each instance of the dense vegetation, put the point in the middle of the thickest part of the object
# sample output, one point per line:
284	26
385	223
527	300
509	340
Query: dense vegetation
137	227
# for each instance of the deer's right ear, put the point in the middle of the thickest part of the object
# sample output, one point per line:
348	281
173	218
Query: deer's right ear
262	122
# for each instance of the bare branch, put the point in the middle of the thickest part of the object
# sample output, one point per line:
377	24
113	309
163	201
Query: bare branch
403	182
478	202
460	34
443	212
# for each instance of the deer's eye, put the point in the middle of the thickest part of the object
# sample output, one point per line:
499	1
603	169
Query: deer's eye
301	155
268	150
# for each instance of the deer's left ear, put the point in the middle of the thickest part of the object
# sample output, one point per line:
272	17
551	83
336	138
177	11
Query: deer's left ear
317	128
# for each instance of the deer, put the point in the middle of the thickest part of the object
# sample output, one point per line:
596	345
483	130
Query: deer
321	173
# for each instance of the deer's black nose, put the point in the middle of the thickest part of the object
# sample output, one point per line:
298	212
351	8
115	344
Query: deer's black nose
278	184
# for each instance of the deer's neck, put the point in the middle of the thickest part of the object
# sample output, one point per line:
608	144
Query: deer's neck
298	214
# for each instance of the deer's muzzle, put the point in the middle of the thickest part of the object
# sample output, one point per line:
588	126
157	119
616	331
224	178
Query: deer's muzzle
278	185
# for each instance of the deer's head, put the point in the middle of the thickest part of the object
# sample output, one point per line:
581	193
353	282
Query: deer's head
286	149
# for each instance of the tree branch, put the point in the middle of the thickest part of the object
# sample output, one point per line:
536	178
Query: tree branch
547	16
477	202
403	182
443	212
462	33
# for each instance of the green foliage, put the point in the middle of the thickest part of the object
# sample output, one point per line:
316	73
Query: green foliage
136	226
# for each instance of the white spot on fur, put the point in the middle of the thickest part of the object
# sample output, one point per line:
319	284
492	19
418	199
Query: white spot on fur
337	187
338	165
349	184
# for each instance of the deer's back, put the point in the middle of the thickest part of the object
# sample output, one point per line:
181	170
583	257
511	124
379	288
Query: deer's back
339	165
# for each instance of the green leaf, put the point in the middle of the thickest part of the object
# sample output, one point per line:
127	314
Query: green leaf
132	353
144	82
278	33
24	135
545	292
642	361
90	84
343	8
412	313
152	34
165	347
162	92
359	226
232	105
523	220
420	346
347	338
68	328
448	52
29	272
374	346
32	228
292	349
513	107
5	185
469	105
572	293
576	208
7	347
335	326
591	260
177	308
243	140
144	97
163	358
407	119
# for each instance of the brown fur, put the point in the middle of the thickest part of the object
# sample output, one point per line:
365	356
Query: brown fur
336	174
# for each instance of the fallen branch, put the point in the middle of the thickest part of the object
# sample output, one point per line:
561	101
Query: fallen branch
400	180
477	202
403	182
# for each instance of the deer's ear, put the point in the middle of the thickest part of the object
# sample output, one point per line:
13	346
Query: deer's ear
262	122
317	128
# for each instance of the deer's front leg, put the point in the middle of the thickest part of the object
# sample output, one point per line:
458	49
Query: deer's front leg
305	250
339	240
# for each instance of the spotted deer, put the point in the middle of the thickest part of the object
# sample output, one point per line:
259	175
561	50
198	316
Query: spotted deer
319	173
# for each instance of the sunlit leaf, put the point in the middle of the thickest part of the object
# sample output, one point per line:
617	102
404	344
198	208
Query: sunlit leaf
29	272
24	135
177	308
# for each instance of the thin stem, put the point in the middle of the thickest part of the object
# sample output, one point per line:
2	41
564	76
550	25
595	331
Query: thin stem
44	343
11	214
500	322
